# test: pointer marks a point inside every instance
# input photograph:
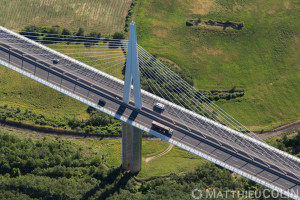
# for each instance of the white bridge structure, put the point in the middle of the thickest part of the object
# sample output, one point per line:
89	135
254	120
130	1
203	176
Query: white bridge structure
199	126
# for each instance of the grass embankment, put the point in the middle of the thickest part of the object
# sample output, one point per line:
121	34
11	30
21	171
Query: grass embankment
102	57
102	16
19	91
262	58
176	161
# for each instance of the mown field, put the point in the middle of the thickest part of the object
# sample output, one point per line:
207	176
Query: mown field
262	58
102	16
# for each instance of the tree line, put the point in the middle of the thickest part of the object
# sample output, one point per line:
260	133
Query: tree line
54	34
97	123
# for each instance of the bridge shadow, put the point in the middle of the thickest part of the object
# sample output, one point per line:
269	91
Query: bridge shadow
114	44
133	115
119	185
121	109
112	178
155	109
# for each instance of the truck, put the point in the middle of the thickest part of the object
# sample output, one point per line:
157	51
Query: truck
162	128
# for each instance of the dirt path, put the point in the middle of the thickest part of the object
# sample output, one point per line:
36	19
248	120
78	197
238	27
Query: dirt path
67	135
148	159
278	131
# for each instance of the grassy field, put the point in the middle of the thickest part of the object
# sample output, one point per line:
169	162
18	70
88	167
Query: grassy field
175	161
262	57
20	91
108	60
102	16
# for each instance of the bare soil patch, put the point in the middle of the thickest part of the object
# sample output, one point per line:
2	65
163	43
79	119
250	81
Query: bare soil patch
203	7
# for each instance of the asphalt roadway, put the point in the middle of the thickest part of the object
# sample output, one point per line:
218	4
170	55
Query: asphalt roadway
188	130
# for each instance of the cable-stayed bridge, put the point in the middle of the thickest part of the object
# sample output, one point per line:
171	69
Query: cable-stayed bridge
199	126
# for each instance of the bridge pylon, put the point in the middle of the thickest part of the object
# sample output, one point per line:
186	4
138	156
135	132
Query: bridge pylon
132	74
131	136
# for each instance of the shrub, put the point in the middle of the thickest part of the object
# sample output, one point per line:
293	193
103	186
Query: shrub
119	35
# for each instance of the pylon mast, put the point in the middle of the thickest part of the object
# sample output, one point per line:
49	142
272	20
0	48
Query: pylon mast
132	74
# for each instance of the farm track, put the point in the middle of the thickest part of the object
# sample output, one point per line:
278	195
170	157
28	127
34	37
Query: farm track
148	159
57	133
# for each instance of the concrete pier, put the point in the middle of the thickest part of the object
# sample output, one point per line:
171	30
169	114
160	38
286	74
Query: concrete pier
131	148
132	137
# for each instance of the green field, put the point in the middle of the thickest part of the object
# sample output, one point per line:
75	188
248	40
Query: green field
102	16
175	161
17	90
262	58
99	57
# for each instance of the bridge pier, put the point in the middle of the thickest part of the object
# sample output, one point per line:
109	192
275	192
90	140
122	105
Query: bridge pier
131	148
131	136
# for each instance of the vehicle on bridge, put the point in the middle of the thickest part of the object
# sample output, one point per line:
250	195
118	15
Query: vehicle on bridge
162	128
55	61
101	102
159	107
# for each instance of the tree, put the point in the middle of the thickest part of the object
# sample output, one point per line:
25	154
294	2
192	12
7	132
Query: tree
80	32
66	32
119	35
16	172
95	34
91	41
31	32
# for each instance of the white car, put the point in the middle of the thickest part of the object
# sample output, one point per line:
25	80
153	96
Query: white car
160	106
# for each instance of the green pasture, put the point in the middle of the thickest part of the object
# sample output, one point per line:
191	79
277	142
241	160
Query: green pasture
262	57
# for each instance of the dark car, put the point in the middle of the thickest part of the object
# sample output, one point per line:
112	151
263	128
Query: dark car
55	61
101	103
